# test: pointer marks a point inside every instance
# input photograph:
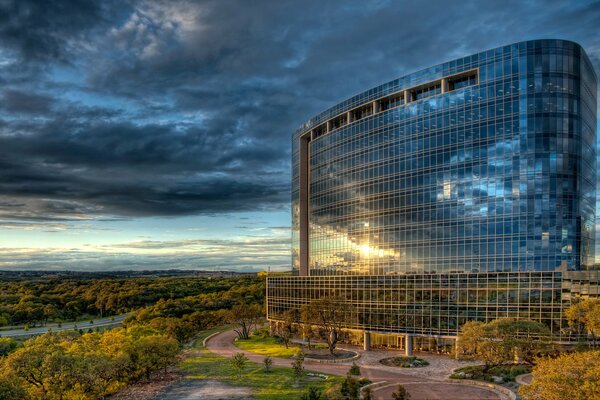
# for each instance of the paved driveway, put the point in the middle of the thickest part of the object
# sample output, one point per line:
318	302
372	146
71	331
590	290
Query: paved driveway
422	383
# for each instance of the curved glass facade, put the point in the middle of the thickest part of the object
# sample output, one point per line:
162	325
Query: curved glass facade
493	172
463	191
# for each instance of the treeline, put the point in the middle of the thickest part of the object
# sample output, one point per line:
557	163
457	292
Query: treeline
39	301
76	366
182	318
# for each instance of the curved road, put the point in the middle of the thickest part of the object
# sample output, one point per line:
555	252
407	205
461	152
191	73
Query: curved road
419	387
66	326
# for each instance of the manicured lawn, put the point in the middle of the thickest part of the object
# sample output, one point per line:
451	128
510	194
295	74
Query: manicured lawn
278	384
267	347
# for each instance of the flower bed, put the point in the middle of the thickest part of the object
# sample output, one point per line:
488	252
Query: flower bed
404	362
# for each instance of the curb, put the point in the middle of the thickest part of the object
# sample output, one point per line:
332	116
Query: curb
371	386
209	337
353	358
497	388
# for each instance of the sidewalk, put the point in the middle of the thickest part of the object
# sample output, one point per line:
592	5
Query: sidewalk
422	383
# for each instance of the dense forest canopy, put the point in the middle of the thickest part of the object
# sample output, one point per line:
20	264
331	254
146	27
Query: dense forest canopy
69	365
41	300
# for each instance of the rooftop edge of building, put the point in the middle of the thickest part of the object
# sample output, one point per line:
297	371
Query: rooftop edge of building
438	71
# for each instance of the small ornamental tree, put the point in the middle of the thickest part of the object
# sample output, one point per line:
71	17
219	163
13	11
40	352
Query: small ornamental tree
238	362
307	332
330	315
354	369
245	317
287	326
268	364
298	364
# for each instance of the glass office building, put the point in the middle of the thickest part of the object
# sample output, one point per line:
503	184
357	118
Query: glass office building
463	191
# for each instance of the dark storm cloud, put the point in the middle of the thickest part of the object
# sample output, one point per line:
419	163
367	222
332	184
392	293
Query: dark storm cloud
177	107
47	30
14	101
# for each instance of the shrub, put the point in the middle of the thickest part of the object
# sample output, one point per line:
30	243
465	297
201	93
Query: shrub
478	372
261	333
313	393
297	364
354	369
405	362
268	363
350	387
238	362
401	393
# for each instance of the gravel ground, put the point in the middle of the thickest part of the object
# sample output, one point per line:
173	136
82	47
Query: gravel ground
196	389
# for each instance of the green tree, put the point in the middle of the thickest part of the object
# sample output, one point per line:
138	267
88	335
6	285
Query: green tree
153	352
238	362
574	376
584	317
503	340
10	389
330	315
44	365
245	317
6	346
298	364
307	332
350	387
286	327
95	370
354	369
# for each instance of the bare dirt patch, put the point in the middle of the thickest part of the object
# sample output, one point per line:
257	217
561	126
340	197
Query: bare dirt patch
146	390
206	389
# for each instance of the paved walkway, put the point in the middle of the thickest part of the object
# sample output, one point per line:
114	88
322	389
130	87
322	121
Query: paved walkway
422	383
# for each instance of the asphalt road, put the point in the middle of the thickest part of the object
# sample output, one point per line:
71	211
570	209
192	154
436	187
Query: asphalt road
85	325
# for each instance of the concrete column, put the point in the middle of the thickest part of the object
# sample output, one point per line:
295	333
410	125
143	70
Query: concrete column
408	345
407	98
444	85
367	341
272	329
456	355
304	204
375	107
349	116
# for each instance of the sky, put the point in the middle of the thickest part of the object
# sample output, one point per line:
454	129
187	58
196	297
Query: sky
157	134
